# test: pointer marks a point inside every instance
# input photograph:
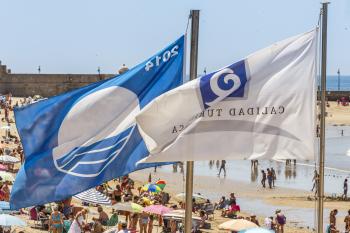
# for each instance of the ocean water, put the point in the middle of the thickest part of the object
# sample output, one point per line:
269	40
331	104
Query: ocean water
332	83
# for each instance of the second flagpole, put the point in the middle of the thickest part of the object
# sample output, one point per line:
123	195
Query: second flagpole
323	115
193	75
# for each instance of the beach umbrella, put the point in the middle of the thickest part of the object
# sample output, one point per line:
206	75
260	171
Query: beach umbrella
9	220
151	188
257	230
199	198
128	206
93	196
237	225
157	209
179	214
9	159
161	184
7	176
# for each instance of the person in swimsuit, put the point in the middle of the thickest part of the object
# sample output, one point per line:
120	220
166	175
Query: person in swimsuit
56	221
117	193
143	222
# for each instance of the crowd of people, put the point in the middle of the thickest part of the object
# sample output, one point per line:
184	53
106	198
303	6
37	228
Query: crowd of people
230	209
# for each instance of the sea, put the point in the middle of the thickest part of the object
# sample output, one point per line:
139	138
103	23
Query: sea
332	83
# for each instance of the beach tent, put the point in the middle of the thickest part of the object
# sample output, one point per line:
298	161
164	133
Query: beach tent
93	196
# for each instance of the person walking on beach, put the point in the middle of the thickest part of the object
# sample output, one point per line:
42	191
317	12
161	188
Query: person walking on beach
269	178
222	167
263	180
273	176
345	189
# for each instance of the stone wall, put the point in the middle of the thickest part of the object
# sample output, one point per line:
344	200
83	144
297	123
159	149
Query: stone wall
46	85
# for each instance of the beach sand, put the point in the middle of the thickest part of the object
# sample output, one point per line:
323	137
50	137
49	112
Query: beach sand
337	114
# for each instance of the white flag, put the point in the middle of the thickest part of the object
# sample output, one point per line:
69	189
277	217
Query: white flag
262	107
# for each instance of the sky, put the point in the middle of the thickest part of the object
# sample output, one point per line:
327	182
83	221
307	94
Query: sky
79	36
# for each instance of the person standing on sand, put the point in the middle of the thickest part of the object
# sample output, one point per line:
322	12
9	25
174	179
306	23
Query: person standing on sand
223	167
347	222
345	188
280	221
269	178
263	180
333	218
150	224
273	176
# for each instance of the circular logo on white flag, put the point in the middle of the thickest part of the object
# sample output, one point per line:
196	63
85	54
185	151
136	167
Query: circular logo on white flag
95	131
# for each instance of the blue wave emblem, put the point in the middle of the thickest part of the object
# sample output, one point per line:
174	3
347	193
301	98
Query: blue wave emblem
225	83
90	161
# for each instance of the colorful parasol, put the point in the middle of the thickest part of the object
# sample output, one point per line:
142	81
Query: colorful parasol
157	209
161	184
151	188
128	206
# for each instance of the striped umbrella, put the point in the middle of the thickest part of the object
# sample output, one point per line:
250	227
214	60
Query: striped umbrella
161	184
151	188
93	196
9	159
157	209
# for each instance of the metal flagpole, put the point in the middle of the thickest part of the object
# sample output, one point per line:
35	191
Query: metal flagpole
193	75
322	123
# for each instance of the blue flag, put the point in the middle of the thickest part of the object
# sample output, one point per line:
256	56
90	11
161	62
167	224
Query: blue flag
87	136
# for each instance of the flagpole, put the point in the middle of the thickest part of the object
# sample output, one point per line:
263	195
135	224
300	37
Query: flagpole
322	123
193	75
